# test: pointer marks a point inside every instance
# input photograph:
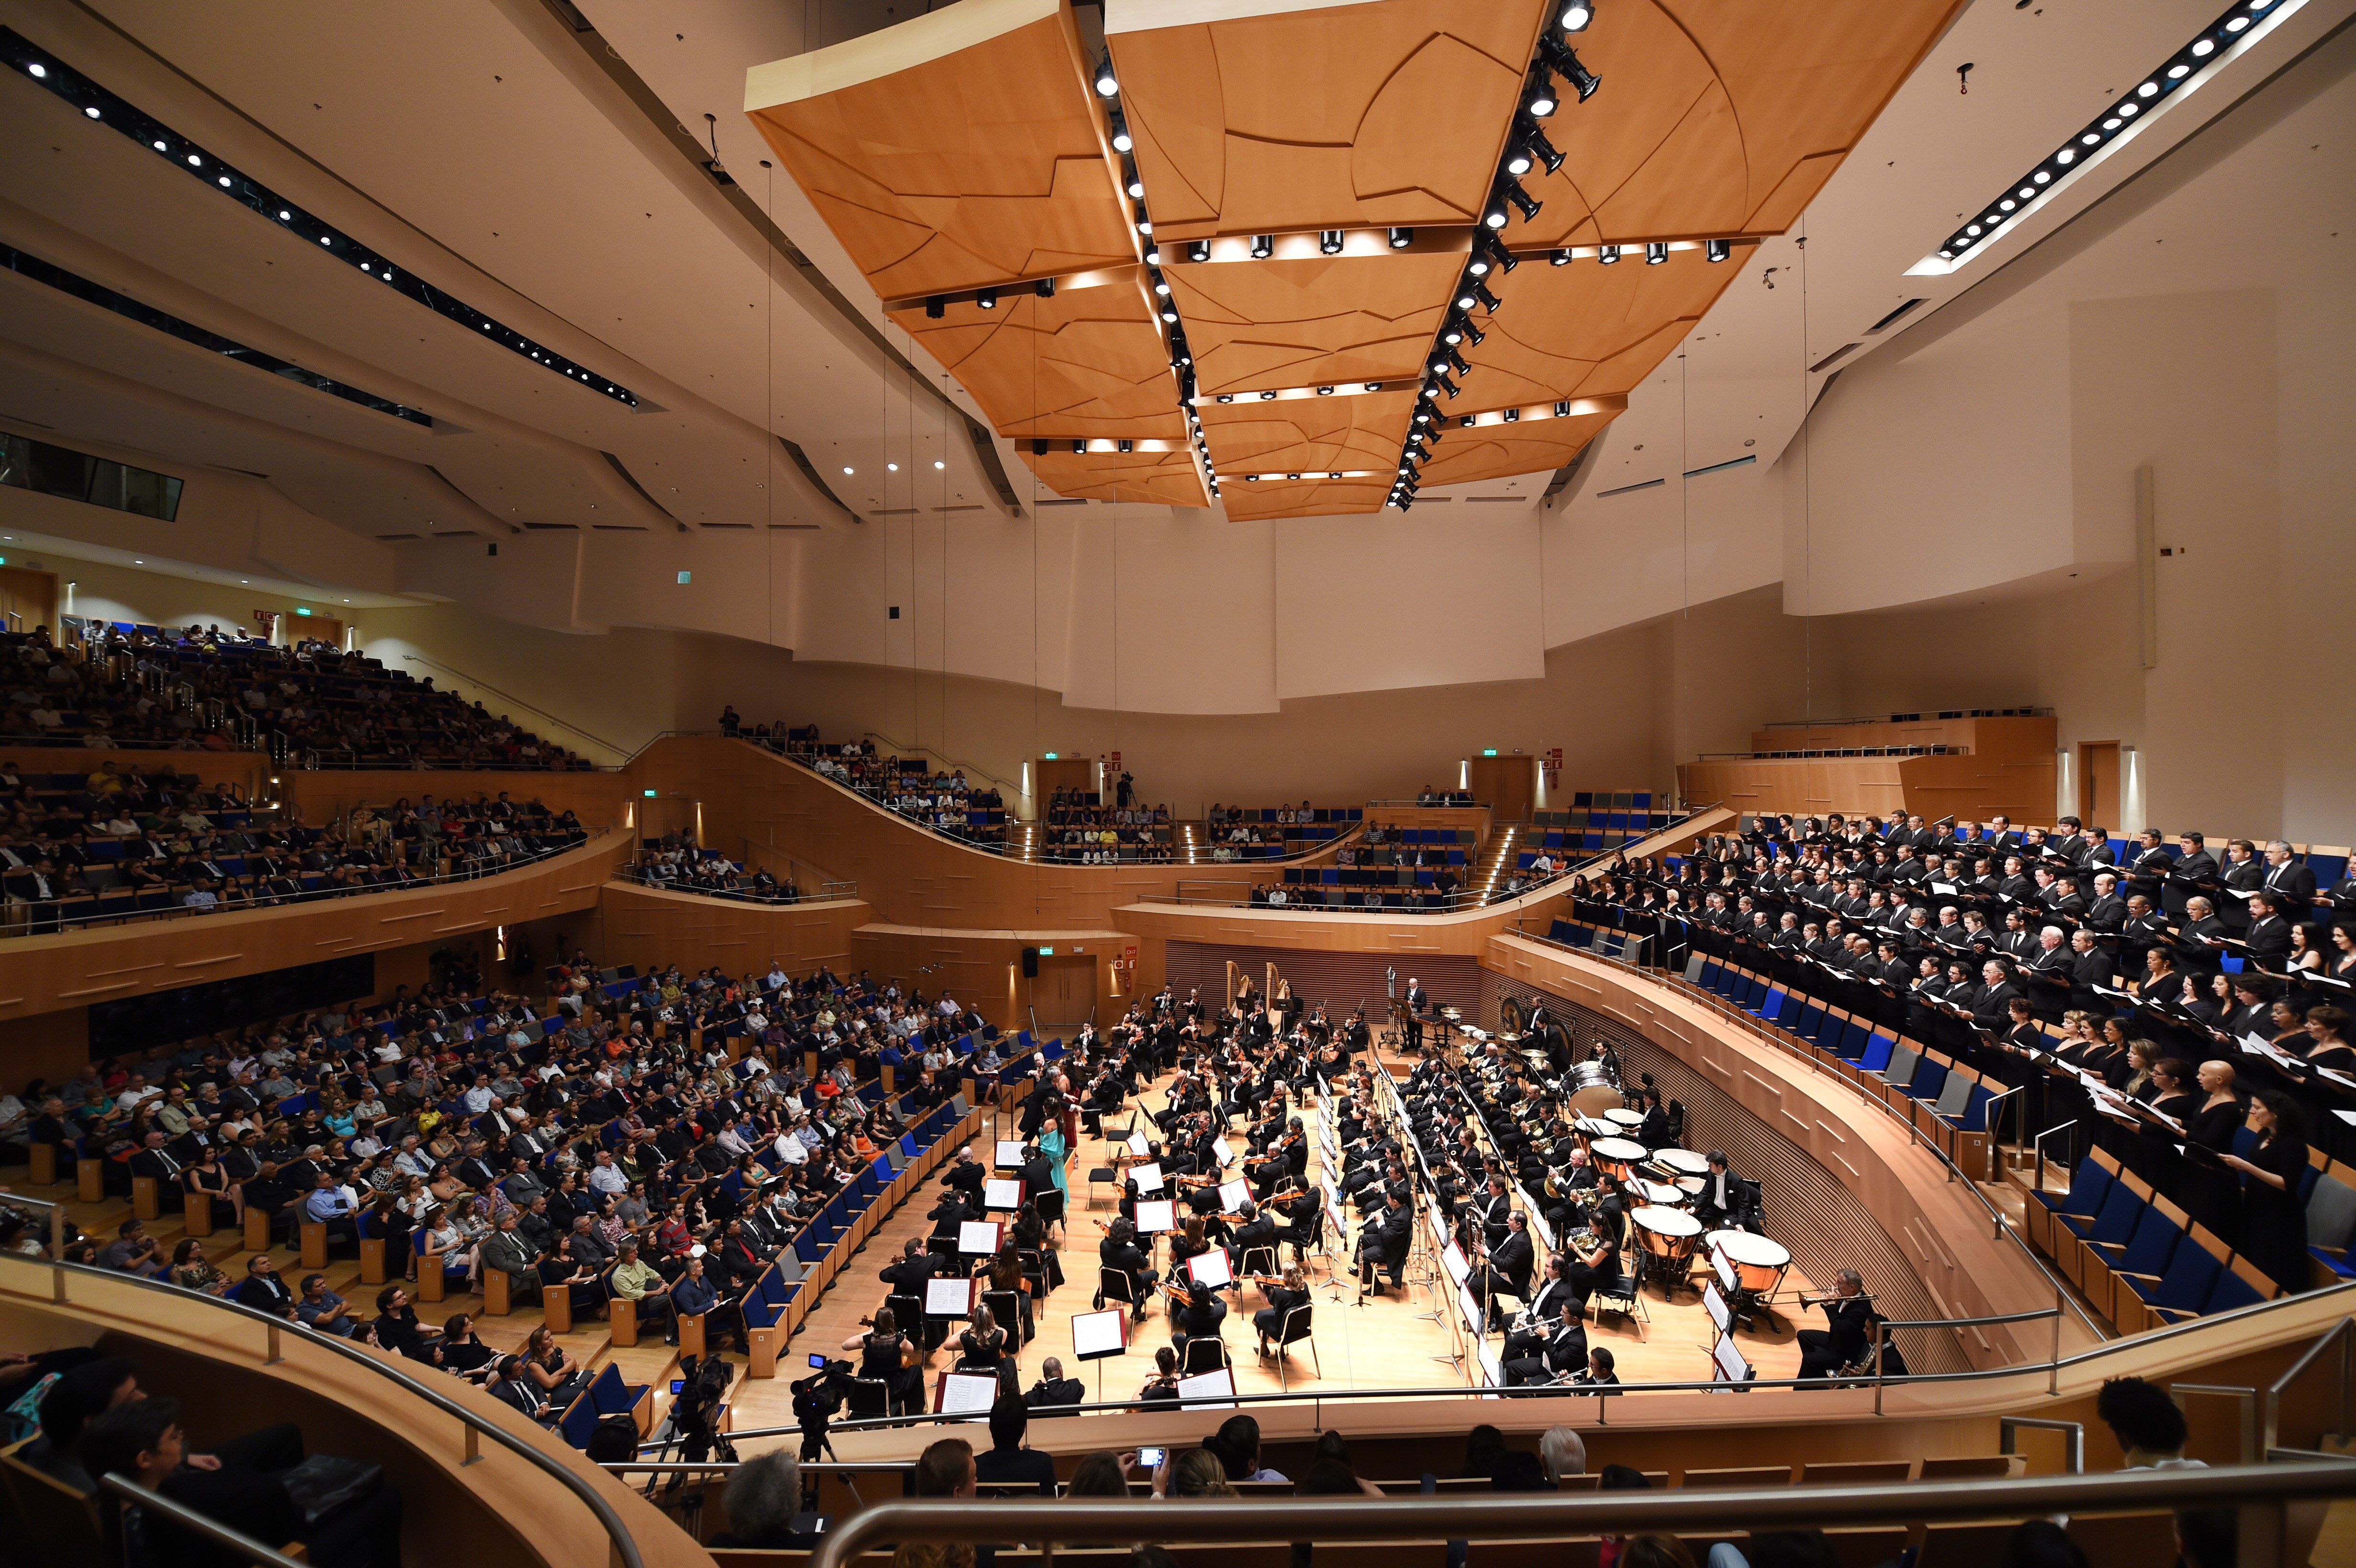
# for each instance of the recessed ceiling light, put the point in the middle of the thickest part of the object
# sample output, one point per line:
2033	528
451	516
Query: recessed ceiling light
195	162
92	111
939	464
38	70
161	148
847	471
2178	73
890	468
2204	47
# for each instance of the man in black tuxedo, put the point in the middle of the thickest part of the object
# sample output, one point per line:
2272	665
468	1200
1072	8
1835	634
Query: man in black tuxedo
2196	938
1717	1205
1991	1003
2195	868
2292	884
1846	1312
1507	1271
1415	1003
1564	1350
1054	1390
1545	1307
2269	934
1382	1243
2108	912
907	1276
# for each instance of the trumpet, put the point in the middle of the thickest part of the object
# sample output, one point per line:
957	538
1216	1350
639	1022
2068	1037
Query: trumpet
1807	1301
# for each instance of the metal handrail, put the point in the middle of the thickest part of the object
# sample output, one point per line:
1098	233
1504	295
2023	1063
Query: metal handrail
1498	1517
56	1223
134	1495
2342	1333
2073	1434
638	875
477	1427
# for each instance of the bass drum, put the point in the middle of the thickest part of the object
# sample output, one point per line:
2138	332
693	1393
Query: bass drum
1595	1093
1511	1016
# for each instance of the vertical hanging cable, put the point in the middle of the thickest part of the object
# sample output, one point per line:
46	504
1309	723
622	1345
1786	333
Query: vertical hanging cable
1685	542
1807	497
769	390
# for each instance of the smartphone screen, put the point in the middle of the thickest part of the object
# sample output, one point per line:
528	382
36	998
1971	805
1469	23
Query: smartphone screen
1151	1458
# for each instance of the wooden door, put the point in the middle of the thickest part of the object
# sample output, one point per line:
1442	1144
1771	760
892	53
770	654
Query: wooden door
1075	773
28	599
1507	785
325	629
1063	993
2098	783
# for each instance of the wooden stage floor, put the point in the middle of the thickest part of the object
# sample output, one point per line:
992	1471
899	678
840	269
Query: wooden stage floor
1386	1342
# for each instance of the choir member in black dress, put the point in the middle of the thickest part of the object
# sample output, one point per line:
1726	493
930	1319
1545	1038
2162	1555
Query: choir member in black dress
2209	1195
2273	1212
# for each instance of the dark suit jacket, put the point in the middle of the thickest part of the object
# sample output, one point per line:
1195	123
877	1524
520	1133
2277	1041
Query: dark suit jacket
1018	1465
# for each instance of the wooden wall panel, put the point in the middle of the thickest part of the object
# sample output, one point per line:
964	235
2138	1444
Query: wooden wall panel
74	968
984	969
2010	736
598	798
247	769
1719	116
1939	1227
957	150
1337	981
1972	788
1327	117
653	928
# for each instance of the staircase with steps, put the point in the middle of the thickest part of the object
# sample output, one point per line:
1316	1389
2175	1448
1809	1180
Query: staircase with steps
1023	839
1497	861
1188	846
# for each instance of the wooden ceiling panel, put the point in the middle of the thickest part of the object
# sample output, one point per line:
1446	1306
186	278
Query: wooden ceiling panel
1267	118
1156	479
1500	451
1089	362
1264	499
1718	116
1586	329
1261	326
955	151
1306	435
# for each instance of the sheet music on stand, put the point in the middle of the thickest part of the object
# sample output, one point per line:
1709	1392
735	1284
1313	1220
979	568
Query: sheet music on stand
1716	1305
948	1297
1732	1367
970	1394
1156	1215
1138	1146
1211	1269
1212	1390
1459	1269
1148	1177
1493	1371
1233	1195
1095	1335
1724	1267
1001	1194
979	1238
1468	1305
1009	1156
1537	1221
1222	1151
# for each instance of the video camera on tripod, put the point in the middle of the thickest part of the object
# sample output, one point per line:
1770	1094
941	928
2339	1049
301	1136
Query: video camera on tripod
695	1411
816	1399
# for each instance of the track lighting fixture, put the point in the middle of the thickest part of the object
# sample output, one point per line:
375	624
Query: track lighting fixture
1559	258
1465	422
1045	288
1563	60
1121	141
1446	386
1607	254
1488	301
1523	202
1266	396
1039	448
1530	147
1324	391
1716	249
1128	445
936	307
1655	252
1562	410
1513	416
987	299
1198	249
1329	241
1489	254
1538	94
1263	246
1495	216
1169	316
1136	185
1374	386
1402	238
1108	84
1079	448
1577	14
1227	397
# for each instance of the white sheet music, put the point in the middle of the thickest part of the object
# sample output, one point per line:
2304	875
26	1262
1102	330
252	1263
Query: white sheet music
1233	1195
1469	1306
1210	1268
1222	1151
1095	1335
997	1194
1730	1364
977	1238
948	1297
968	1391
1009	1154
1459	1270
1725	1268
1138	1145
1156	1216
1148	1177
1718	1314
1209	1390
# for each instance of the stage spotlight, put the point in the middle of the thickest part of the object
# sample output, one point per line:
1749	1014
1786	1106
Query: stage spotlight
1513	416
1402	238
987	299
1495	216
1266	396
1577	14
1446	386
1263	246
1108	84
1655	252
1607	254
1538	93
1717	249
1524	202
1128	446
1198	249
1562	410
1560	258
1045	288
936	307
1324	391
1530	145
1039	449
1329	241
1121	141
1488	301
1079	449
1563	60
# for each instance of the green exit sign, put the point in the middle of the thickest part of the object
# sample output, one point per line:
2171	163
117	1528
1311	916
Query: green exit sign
1489	751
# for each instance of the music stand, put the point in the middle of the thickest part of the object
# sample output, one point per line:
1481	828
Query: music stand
996	1193
1097	1336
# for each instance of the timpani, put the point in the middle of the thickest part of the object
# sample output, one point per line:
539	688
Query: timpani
1759	1262
1668	1237
1624	1116
1613	1156
1684	1161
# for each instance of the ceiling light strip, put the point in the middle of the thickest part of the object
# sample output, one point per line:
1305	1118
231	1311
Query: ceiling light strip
98	294
2224	39
97	103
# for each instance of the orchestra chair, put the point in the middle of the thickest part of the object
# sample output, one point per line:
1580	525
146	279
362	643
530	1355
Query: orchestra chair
45	1165
1620	1293
1050	1205
257	1230
196	1213
1013	1311
314	1237
691	1339
1114	1284
870	1397
1855	1472
1295	1331
1205	1353
89	1179
1100	1176
498	1293
1258	1260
